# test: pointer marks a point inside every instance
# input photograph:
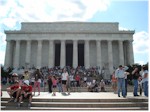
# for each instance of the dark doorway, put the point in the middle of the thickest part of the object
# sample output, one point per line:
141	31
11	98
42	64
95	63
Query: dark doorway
81	54
69	54
57	54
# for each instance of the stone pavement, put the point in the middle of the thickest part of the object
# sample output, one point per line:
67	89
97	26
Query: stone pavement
81	95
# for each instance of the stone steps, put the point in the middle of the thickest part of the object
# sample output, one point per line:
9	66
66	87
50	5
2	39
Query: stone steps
70	108
78	104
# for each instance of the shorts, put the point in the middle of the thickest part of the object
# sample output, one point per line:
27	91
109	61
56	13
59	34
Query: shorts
72	83
54	86
14	94
27	96
78	84
64	82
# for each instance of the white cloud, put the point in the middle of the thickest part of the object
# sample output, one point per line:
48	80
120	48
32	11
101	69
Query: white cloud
141	42
2	54
17	11
52	10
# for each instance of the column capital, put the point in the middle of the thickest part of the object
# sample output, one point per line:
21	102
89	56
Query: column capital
109	40
17	40
63	40
51	40
28	40
130	41
120	40
8	40
75	40
39	40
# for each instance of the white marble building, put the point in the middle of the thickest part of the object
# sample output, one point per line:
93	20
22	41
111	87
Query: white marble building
69	43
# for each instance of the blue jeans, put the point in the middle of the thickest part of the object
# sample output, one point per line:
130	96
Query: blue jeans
121	85
135	82
60	87
145	87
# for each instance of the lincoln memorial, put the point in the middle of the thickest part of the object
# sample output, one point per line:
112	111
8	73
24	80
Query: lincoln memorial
73	44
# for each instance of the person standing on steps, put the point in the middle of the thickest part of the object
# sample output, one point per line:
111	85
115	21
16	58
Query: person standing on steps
120	75
135	74
50	83
65	77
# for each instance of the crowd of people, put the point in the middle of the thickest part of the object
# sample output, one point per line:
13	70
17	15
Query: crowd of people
139	78
67	79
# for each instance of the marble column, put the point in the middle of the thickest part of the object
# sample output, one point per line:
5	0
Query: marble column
51	53
17	54
28	52
75	53
130	52
63	54
39	54
7	54
98	49
86	54
110	56
121	53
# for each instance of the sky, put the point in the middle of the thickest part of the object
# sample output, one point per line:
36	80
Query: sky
130	14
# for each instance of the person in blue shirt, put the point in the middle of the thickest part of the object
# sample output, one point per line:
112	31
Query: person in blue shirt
120	75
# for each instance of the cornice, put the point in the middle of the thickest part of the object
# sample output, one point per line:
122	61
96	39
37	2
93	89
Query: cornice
69	32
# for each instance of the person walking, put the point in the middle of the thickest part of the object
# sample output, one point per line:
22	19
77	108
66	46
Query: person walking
120	75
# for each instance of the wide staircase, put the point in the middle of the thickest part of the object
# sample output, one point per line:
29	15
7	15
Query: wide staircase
80	101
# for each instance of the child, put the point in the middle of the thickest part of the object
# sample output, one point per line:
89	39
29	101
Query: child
140	84
54	81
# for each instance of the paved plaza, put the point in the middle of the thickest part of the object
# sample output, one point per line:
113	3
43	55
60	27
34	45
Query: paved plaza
80	95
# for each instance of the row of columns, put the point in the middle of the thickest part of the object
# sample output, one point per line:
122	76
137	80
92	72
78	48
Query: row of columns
63	53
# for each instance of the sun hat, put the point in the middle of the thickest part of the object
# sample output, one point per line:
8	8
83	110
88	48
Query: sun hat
26	82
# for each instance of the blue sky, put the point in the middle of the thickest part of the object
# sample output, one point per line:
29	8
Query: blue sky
131	15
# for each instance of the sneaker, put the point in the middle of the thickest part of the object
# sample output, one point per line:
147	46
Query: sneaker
15	100
29	105
18	104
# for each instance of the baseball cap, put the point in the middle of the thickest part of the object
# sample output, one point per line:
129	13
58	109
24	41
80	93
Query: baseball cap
26	82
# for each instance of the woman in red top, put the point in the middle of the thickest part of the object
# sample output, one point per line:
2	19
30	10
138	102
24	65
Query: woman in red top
14	91
26	93
114	83
77	78
54	81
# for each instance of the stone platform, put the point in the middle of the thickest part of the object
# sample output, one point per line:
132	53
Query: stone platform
79	101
